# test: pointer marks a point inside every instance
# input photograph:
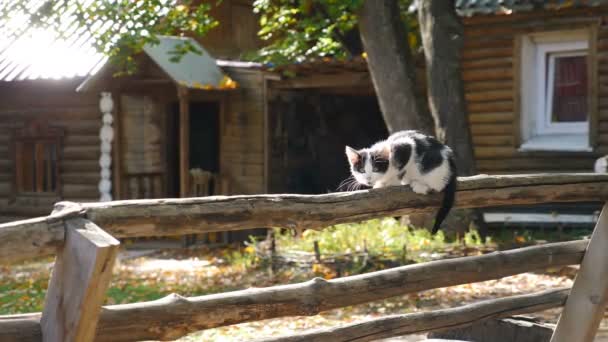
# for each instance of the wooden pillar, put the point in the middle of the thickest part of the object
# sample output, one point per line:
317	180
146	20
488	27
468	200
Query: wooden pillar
585	306
78	284
184	141
117	148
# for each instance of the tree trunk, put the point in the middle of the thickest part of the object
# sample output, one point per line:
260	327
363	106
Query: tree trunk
391	66
442	37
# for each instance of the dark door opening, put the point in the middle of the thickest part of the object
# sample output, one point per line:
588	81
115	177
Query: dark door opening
309	133
204	136
204	142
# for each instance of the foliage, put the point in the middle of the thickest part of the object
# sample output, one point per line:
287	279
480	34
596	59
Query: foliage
303	29
385	237
293	29
120	28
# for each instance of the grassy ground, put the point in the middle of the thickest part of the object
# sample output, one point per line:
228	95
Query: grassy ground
200	271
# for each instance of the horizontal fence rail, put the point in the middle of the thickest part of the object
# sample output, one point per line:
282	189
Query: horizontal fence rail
163	217
415	323
174	316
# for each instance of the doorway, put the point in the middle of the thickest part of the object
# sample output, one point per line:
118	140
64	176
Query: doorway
204	144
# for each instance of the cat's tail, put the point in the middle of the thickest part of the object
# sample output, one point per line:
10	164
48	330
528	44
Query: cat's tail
449	194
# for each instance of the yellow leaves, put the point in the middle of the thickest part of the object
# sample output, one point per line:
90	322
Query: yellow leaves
228	83
520	239
324	271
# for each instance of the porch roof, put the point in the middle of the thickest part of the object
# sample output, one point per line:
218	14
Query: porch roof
193	70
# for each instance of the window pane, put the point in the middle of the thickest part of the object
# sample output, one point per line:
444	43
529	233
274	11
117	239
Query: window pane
570	89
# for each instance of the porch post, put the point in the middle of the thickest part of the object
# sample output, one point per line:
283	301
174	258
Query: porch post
106	135
184	141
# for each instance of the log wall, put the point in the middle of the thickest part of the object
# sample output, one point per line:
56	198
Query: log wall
242	137
77	114
490	74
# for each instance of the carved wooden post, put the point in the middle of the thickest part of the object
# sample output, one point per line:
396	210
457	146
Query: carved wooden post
78	284
584	309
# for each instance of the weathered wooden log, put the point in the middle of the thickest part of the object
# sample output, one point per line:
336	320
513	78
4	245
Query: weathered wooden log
81	275
398	325
585	309
511	329
20	328
174	316
35	237
161	217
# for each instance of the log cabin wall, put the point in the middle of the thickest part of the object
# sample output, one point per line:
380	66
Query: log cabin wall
491	75
242	137
78	115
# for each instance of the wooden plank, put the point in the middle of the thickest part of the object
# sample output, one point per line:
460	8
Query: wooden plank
487	53
490	95
586	303
488	63
491	107
399	325
592	98
184	141
78	283
493	140
517	117
494	152
492	129
471	75
489	118
483	85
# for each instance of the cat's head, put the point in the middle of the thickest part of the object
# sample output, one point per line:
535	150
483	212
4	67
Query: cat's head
368	165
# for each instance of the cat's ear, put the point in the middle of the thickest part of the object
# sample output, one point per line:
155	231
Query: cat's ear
385	151
353	155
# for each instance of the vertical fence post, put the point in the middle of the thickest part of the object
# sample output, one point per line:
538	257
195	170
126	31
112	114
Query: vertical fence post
585	306
80	278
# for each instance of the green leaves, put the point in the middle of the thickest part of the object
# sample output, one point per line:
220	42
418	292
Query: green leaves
297	30
120	28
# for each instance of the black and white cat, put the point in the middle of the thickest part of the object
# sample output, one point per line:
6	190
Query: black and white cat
408	158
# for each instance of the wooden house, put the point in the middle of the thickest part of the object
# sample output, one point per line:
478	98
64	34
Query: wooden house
173	135
173	129
536	84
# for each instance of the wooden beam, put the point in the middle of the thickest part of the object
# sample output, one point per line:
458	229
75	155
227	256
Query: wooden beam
21	328
398	325
587	301
174	316
36	237
117	147
160	217
346	79
184	141
78	283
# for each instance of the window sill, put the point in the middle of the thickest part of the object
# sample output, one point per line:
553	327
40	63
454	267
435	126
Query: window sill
557	143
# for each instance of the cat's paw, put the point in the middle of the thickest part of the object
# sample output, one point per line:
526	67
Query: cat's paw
405	181
378	185
420	188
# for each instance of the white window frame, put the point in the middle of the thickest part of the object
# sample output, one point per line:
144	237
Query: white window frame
538	130
545	82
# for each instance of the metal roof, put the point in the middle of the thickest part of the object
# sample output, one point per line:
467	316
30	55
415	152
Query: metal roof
474	7
197	71
28	52
193	70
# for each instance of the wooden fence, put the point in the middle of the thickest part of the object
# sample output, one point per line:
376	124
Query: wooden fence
85	254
